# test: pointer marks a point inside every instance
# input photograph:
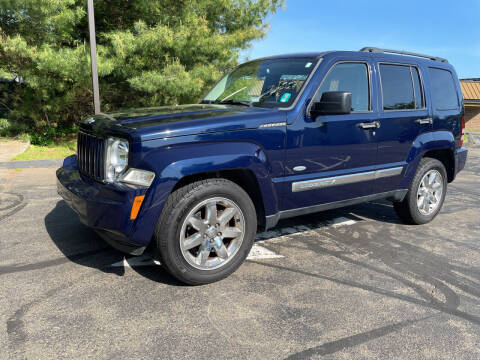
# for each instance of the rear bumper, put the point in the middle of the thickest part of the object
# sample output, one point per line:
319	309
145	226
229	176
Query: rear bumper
460	160
103	207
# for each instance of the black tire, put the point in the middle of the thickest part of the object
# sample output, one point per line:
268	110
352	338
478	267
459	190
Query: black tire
178	206
407	210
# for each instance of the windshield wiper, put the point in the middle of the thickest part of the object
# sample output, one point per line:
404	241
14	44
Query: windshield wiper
235	102
230	102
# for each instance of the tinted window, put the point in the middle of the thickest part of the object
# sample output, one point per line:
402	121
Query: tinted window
397	87
417	84
350	77
443	89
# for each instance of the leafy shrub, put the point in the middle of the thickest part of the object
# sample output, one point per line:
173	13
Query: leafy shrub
4	125
150	53
52	135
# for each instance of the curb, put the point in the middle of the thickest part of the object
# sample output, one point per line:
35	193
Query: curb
31	164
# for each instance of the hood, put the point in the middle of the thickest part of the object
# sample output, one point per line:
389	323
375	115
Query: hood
168	121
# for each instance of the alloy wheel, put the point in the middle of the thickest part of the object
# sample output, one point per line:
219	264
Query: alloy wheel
429	193
212	233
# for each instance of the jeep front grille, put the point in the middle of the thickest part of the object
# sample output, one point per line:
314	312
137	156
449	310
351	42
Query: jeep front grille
91	156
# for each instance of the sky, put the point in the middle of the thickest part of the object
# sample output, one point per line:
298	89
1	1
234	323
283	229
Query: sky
449	29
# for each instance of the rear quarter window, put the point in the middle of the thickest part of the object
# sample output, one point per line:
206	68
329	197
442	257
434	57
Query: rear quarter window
444	93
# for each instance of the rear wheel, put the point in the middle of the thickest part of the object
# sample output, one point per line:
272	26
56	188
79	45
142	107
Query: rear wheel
426	194
206	231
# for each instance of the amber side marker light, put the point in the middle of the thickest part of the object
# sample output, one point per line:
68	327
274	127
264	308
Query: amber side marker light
137	202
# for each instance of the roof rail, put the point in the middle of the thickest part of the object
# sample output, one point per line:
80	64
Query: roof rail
400	52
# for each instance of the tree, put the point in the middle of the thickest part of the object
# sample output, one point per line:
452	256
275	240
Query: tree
150	52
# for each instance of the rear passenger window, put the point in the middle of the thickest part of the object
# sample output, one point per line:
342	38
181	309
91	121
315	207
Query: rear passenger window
350	77
444	94
397	87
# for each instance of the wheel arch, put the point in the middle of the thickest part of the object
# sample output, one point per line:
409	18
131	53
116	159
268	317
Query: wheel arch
245	178
446	157
439	145
244	163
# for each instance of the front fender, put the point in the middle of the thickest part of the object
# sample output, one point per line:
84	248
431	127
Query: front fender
174	162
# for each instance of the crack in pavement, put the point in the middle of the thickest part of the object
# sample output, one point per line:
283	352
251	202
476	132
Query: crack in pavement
354	340
432	305
13	205
16	328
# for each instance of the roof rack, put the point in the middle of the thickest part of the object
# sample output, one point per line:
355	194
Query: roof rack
378	50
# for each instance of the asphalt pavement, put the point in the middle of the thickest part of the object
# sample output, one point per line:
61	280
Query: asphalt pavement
353	283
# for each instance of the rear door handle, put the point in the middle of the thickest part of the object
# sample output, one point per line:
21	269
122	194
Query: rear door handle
370	125
425	121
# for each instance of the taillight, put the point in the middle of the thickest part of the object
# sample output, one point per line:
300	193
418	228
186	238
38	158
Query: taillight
460	144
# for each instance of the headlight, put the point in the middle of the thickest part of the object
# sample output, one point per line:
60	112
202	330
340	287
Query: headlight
116	158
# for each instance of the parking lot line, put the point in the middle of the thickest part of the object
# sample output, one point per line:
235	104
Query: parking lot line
342	221
258	252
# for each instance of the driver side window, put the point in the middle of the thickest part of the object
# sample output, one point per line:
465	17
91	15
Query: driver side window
350	77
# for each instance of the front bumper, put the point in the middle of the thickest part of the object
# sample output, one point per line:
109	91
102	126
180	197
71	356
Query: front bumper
104	207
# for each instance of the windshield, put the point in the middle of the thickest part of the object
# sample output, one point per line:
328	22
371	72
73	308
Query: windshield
263	83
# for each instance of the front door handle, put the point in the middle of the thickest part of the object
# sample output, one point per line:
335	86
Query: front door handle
370	125
426	121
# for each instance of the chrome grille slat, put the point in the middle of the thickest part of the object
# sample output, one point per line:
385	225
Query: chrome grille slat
96	158
101	162
79	146
91	157
86	152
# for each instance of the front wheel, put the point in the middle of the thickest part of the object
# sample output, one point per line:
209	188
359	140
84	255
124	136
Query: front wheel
206	231
426	194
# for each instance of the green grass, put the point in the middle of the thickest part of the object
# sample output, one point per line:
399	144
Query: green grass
465	137
56	151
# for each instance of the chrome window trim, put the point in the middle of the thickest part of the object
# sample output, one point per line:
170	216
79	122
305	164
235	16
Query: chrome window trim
345	179
421	84
369	71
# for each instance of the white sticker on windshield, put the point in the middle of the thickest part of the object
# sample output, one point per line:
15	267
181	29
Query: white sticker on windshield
308	65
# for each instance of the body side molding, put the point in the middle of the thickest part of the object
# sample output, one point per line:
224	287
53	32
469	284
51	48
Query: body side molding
345	179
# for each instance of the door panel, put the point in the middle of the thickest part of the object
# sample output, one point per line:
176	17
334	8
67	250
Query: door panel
398	130
403	118
332	158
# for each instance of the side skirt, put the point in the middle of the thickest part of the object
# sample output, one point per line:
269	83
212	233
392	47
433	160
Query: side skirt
272	220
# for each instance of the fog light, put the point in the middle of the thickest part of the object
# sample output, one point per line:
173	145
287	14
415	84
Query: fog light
138	177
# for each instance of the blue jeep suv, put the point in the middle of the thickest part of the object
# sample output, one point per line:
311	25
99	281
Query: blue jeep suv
275	138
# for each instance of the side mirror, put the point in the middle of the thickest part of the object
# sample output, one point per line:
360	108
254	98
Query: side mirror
332	103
